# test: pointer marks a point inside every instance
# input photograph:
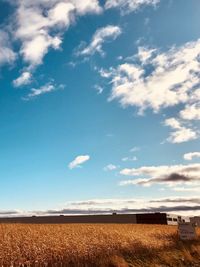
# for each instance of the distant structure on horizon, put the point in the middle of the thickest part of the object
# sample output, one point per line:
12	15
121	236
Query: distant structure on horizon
140	218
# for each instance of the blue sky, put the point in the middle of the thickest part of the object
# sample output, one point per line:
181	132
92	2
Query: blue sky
99	106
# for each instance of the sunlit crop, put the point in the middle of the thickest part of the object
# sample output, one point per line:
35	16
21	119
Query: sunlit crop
94	245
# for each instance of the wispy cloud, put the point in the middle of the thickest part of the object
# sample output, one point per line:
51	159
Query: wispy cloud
129	158
47	88
99	89
7	55
186	189
78	161
180	133
127	6
101	36
110	167
23	79
166	174
134	149
191	155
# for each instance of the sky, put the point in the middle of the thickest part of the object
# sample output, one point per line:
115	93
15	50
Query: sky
99	106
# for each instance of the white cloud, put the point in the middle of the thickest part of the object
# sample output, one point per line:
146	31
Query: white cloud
127	6
47	88
179	205
186	189
180	133
169	175
101	36
78	161
145	54
110	167
23	79
105	73
134	149
191	112
13	213
156	80
39	25
191	155
7	55
34	50
172	80
34	28
87	6
185	205
129	158
173	123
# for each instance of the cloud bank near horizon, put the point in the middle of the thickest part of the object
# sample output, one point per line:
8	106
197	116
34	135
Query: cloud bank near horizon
189	206
168	175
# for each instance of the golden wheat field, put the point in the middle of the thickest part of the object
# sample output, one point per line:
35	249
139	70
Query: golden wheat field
95	245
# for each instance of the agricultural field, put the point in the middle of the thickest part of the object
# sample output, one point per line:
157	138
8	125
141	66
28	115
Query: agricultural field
81	245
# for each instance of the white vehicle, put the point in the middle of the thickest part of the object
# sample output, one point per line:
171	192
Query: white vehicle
174	219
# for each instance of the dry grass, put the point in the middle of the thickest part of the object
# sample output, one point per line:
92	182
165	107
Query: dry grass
95	245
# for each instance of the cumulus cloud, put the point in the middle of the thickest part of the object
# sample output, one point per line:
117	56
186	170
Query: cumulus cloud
39	26
101	36
33	28
173	79
110	167
23	79
180	133
127	6
47	88
169	175
173	123
78	161
191	112
191	155
7	55
145	54
156	80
